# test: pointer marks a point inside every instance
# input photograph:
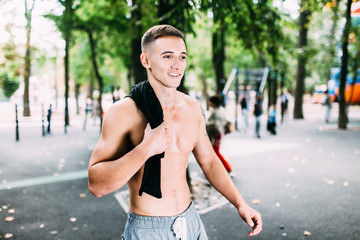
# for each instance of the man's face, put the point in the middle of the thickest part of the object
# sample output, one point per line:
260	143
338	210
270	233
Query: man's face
166	60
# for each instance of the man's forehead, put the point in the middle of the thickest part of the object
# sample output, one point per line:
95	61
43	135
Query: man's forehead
169	44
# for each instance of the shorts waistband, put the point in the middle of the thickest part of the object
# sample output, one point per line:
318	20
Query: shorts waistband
158	222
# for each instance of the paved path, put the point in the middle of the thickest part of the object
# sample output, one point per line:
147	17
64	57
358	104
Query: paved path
304	180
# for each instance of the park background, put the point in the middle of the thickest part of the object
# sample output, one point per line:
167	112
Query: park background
61	52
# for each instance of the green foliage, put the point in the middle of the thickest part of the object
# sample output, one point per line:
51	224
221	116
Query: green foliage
80	59
9	86
257	25
10	68
256	34
199	57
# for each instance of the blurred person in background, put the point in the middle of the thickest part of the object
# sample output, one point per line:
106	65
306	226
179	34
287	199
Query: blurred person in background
49	114
327	104
271	123
216	128
257	113
284	102
245	113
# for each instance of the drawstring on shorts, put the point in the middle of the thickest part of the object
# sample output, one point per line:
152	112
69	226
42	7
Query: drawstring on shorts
179	228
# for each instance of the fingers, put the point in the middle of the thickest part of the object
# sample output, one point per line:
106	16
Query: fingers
255	223
158	138
249	221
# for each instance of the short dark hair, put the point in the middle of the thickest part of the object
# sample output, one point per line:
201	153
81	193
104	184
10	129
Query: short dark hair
216	100
159	31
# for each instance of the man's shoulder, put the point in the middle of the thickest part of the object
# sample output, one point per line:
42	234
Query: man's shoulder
187	98
123	111
126	103
190	102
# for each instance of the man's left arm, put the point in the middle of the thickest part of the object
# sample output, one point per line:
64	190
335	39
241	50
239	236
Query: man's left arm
219	178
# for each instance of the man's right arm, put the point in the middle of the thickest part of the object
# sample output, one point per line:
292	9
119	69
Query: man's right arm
112	164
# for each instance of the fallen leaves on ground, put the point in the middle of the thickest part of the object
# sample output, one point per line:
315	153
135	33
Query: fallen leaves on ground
8	235
329	181
9	219
82	195
291	170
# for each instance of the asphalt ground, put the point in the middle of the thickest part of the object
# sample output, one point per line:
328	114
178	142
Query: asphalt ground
304	181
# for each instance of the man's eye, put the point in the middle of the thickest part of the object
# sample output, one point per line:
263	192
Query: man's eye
183	57
167	56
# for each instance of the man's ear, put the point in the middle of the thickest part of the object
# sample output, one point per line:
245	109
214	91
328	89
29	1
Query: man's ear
144	59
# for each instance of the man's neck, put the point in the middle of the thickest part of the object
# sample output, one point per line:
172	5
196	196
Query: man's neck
166	96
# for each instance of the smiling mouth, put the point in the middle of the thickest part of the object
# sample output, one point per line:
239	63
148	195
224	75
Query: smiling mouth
174	74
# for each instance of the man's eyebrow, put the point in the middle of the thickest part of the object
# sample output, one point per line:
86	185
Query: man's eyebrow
171	52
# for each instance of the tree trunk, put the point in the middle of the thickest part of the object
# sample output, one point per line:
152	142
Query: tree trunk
91	85
344	65
68	14
331	50
77	93
66	66
218	48
218	57
97	74
302	59
27	66
138	70
273	85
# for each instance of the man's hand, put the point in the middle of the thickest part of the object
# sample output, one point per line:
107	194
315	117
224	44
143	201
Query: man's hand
252	218
158	139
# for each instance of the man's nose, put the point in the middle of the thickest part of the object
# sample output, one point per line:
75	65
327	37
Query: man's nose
175	64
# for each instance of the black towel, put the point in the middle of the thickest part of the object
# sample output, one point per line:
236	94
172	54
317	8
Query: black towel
147	101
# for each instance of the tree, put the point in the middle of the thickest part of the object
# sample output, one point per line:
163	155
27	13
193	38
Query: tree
27	66
91	19
9	86
138	70
64	23
342	122
218	44
66	27
10	69
256	24
331	50
304	20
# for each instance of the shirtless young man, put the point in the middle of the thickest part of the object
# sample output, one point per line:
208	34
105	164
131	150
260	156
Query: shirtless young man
127	141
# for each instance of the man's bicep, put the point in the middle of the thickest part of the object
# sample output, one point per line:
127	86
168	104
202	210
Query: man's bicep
113	139
203	150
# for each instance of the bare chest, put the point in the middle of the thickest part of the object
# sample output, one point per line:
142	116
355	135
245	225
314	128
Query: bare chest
184	132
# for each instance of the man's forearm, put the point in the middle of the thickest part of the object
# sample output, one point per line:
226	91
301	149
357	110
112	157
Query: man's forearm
221	181
108	176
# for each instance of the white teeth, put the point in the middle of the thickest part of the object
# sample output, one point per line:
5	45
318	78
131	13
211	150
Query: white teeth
174	75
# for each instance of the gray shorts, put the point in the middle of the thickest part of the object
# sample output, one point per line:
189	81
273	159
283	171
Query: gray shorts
185	226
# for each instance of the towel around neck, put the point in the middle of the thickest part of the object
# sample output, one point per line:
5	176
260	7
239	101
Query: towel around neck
147	101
